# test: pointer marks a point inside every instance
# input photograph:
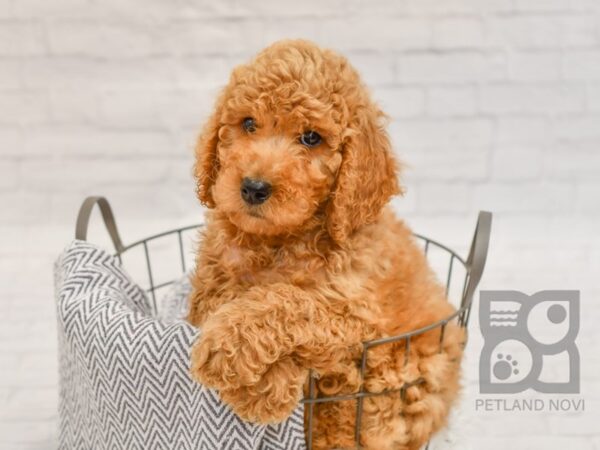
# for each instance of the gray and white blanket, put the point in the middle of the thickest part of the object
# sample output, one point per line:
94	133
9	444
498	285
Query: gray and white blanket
124	373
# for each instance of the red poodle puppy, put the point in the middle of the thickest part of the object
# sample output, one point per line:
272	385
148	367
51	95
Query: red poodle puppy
301	262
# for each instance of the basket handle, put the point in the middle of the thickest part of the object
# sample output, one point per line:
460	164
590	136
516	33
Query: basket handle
83	220
478	254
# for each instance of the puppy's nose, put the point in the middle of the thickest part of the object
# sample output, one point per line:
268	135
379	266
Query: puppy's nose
255	192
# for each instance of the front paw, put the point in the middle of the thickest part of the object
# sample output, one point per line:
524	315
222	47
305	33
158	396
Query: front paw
273	398
221	361
250	369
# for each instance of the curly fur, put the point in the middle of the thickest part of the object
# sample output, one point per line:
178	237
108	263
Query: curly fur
299	282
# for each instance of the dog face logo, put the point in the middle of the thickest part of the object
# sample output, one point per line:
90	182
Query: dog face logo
294	143
527	339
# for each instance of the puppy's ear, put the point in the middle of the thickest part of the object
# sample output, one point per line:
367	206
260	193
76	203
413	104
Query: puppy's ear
207	165
367	176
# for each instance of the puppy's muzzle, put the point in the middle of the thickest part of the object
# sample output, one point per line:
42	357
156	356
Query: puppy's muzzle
255	192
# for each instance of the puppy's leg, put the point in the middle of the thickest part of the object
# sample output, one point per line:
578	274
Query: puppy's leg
423	408
257	349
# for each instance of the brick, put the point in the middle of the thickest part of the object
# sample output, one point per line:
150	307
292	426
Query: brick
23	239
573	161
458	32
451	101
435	7
580	31
158	12
17	287
518	426
584	5
401	102
529	441
524	31
582	65
203	72
26	432
9	175
108	40
382	7
452	162
73	106
94	73
197	37
156	109
89	142
517	162
41	401
157	9
522	129
436	198
577	128
534	66
530	198
567	229
80	176
24	107
577	424
542	5
23	207
11	142
12	238
443	133
303	29
124	109
20	38
384	34
10	74
532	98
137	203
451	67
56	8
309	8
6	9
593	97
14	281
374	69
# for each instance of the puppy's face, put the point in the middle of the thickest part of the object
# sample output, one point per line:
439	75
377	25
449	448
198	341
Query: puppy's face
271	156
277	164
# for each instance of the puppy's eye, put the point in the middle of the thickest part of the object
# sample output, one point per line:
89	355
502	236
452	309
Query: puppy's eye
310	139
249	125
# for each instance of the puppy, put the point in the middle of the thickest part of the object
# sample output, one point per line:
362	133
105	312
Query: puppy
301	261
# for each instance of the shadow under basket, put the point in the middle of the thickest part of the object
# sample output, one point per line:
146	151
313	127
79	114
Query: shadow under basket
460	276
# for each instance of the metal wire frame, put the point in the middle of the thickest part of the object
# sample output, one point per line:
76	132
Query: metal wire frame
473	265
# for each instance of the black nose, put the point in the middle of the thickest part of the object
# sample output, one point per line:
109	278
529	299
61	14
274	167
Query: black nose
255	192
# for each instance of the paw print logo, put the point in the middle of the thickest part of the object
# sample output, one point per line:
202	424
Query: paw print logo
523	334
505	367
510	362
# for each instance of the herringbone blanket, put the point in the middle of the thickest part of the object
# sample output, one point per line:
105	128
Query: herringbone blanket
124	380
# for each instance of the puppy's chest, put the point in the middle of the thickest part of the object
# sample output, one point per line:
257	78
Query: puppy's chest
271	265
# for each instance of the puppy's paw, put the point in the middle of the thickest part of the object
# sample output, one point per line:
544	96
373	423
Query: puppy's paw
222	361
273	398
250	368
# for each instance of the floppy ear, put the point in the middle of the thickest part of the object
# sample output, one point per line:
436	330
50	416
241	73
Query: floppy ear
207	166
366	179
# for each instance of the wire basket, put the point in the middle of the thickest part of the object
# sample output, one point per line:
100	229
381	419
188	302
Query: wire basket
464	283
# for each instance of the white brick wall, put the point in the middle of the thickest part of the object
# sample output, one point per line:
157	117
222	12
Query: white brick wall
495	104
